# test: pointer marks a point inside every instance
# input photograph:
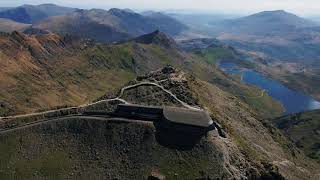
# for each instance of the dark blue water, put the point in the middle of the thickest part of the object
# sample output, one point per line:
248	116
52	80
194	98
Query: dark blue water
292	100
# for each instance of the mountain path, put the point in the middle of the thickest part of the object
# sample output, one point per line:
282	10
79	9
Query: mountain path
113	99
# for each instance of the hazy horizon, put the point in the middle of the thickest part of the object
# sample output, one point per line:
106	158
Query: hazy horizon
305	8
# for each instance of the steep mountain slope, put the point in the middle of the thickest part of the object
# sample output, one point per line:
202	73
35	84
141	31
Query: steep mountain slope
48	70
109	26
7	25
29	13
84	24
303	129
101	149
245	148
43	71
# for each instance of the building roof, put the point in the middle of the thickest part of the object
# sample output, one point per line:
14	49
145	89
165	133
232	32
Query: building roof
138	108
188	117
176	115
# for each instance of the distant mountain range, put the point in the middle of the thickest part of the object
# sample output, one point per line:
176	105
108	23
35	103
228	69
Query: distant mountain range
109	26
32	13
266	23
101	25
277	34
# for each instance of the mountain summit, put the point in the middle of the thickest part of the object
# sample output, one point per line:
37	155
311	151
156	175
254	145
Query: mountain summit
267	22
279	16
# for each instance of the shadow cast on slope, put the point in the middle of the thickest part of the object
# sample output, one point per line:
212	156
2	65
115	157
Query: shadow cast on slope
177	137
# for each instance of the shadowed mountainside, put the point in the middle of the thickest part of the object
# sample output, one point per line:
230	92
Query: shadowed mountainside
32	13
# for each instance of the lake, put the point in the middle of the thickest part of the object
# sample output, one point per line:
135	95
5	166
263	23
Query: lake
292	100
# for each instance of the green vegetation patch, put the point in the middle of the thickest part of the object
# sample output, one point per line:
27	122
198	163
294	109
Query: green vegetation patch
214	54
304	130
16	163
86	148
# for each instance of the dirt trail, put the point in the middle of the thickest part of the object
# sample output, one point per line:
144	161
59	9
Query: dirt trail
109	100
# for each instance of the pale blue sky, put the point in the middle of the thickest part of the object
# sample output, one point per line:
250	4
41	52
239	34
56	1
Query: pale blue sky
301	7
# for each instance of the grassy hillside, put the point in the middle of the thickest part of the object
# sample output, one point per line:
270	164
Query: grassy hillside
44	71
215	54
303	129
92	149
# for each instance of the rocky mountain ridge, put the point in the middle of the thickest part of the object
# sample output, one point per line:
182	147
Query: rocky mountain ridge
109	26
